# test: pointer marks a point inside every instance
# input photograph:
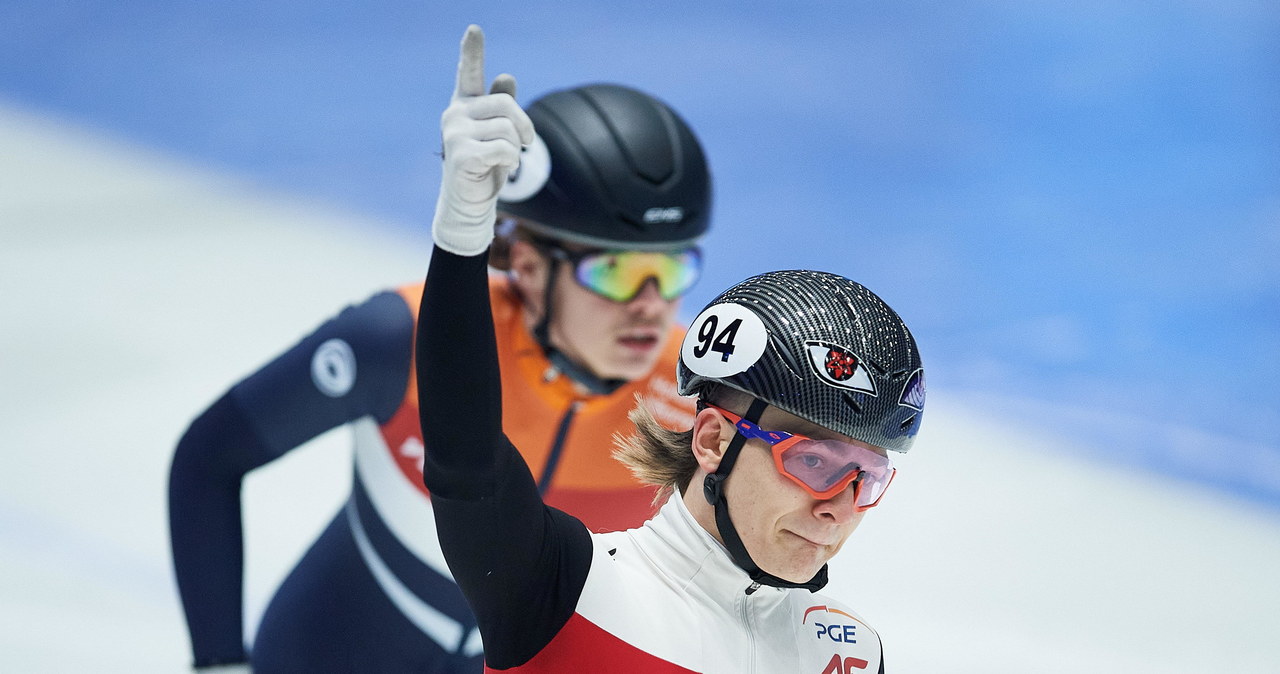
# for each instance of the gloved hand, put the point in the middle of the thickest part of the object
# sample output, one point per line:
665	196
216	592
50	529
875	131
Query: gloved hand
482	137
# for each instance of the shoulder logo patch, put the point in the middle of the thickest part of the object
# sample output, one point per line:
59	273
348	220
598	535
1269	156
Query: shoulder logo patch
333	368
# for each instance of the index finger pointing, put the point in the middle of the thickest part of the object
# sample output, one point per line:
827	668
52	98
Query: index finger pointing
471	64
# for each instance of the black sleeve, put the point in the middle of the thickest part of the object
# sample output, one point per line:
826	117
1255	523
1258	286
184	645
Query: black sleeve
520	564
314	386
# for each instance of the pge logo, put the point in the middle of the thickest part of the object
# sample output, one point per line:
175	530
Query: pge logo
839	632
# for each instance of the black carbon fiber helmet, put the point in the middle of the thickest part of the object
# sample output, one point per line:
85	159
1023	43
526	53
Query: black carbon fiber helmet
611	167
817	345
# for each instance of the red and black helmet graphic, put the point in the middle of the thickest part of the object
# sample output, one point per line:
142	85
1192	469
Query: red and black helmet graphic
840	363
839	366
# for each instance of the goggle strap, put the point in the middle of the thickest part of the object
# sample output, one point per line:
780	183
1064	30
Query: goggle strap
735	446
542	331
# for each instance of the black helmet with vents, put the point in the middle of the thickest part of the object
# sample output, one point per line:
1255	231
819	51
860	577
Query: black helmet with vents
611	167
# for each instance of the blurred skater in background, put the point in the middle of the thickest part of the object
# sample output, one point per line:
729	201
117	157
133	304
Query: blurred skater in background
600	228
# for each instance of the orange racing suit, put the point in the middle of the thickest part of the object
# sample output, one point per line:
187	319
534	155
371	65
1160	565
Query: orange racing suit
374	591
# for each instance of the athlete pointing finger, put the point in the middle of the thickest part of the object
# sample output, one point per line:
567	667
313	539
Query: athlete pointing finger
805	382
482	136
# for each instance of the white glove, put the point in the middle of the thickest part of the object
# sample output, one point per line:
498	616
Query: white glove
482	137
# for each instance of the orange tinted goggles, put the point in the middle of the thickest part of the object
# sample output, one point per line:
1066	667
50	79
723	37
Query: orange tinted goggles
823	468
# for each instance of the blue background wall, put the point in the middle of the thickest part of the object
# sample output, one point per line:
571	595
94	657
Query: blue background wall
1076	205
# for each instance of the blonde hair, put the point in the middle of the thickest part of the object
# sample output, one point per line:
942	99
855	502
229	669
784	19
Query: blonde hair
655	454
662	457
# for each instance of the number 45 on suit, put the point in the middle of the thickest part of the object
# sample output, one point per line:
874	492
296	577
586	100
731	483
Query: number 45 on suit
839	665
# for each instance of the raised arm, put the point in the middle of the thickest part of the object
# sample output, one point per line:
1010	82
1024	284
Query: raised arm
520	564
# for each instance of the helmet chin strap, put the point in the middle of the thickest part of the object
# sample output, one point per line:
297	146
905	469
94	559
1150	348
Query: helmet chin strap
713	490
575	371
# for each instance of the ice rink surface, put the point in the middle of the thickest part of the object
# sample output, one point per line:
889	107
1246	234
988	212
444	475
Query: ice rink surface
1075	205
